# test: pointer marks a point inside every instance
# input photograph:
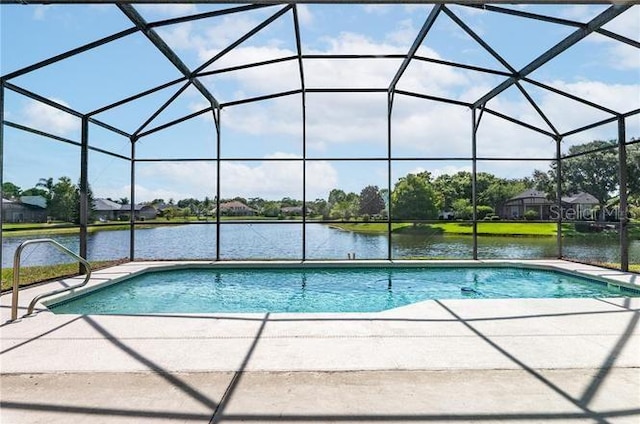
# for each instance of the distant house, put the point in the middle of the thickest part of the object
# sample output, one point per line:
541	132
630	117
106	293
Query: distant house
531	199
236	208
34	201
108	210
141	212
579	206
14	211
576	206
292	210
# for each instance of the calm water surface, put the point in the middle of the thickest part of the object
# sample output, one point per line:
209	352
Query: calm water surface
321	290
262	241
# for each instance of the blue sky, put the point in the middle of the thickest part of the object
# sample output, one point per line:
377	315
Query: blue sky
339	126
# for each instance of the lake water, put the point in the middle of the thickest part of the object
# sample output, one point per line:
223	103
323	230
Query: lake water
278	241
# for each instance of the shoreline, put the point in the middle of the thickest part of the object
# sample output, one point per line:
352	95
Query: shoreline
434	229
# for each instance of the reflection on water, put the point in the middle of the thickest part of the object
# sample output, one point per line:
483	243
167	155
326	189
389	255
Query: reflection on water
273	241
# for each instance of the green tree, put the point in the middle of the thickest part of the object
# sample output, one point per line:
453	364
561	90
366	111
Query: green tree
499	191
319	207
156	202
633	169
10	190
545	181
336	195
270	209
76	205
289	202
345	209
207	205
595	173
446	191
169	212
462	209
34	192
62	202
371	202
413	198
256	203
46	184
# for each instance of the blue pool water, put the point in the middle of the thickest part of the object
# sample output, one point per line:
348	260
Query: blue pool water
322	289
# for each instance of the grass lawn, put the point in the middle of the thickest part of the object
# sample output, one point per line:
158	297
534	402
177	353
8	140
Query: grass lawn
459	228
34	274
632	267
64	228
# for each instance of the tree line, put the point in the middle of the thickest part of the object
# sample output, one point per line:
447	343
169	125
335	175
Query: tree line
414	196
62	197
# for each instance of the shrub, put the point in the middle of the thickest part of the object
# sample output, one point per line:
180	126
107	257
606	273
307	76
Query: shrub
483	211
588	227
531	215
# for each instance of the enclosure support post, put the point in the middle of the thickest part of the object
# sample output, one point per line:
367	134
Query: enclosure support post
218	142
132	195
388	199
474	194
623	209
84	190
304	176
559	196
296	26
1	158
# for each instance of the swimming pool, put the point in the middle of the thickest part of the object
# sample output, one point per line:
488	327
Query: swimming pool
211	290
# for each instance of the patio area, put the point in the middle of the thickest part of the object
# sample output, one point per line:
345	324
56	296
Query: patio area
516	360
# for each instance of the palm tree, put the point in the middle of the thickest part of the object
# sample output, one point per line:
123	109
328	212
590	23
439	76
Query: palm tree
47	184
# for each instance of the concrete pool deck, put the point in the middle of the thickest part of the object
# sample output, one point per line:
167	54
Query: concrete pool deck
509	360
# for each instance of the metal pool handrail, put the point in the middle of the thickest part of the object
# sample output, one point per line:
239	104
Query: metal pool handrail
16	275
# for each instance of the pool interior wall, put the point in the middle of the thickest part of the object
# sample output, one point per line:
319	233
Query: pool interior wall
353	286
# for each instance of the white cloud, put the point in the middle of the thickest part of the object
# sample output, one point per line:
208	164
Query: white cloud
619	97
627	24
44	117
270	180
580	12
282	115
354	43
624	57
449	170
377	9
40	12
304	14
404	35
168	9
221	34
177	172
181	36
440	170
335	122
275	180
619	55
143	194
430	129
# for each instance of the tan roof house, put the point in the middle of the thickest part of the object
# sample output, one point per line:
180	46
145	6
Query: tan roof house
236	208
577	206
